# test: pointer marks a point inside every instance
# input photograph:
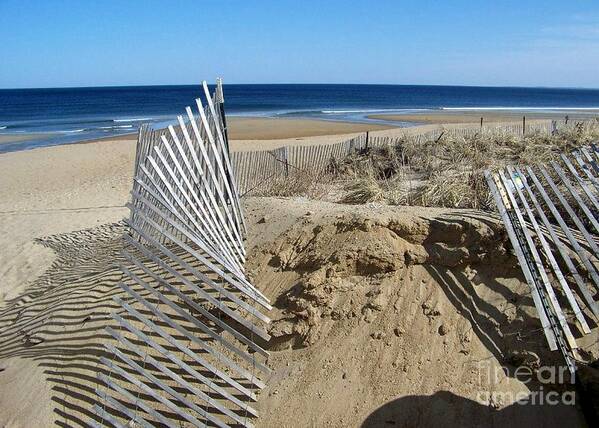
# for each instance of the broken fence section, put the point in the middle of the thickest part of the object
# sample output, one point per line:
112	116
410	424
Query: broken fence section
550	213
186	347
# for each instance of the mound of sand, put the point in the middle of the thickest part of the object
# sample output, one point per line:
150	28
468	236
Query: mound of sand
384	316
394	317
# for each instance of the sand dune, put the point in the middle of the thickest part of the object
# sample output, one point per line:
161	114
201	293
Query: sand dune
372	324
380	313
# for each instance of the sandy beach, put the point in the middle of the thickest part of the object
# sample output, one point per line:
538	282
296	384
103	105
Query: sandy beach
63	188
13	138
272	129
70	187
299	214
412	343
474	116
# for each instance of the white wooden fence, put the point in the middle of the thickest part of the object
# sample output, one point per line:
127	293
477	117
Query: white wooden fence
186	348
551	214
256	169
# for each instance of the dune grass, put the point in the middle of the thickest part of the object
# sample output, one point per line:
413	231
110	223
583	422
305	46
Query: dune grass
449	172
446	172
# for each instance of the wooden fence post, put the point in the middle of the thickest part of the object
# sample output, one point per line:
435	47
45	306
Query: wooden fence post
366	146
523	125
286	158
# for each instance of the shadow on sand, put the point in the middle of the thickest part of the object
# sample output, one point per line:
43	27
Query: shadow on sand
445	409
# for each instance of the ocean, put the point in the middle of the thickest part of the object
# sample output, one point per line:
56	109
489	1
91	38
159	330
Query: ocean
66	115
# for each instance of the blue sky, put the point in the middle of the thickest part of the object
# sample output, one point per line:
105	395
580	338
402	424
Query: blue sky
87	43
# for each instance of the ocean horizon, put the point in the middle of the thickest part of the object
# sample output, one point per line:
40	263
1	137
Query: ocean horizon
66	115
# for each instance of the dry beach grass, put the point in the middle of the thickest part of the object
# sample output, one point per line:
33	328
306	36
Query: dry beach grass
442	172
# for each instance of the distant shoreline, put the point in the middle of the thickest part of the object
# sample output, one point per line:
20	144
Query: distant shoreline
260	128
88	114
277	128
488	115
240	128
14	138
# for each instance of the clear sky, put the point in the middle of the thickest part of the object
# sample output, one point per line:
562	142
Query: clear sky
88	43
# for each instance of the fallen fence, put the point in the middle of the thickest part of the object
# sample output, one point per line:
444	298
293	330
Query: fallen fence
550	213
186	338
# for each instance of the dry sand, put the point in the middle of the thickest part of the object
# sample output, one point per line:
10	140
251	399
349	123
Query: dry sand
273	129
493	116
13	138
388	316
382	314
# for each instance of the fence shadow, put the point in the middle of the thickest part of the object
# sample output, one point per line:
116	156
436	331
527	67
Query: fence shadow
59	321
501	334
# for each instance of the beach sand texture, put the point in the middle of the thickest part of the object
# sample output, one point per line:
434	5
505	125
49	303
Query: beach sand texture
474	116
372	337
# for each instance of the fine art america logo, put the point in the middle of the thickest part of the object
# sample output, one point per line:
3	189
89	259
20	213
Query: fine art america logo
548	385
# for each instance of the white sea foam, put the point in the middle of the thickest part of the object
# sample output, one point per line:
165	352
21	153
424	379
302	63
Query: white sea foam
116	127
2	127
378	110
135	119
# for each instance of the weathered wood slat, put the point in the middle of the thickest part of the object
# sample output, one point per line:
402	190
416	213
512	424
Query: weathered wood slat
150	391
192	304
135	401
589	239
576	196
235	279
582	254
107	417
547	330
205	279
220	246
239	336
250	359
587	170
192	338
215	388
560	247
225	220
184	349
549	255
208	214
185	234
174	394
235	202
133	416
581	182
210	248
201	292
212	175
179	380
554	304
